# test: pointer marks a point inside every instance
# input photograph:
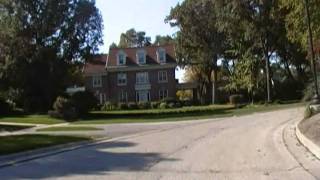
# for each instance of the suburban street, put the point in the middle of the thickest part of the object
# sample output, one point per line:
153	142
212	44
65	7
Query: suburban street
258	146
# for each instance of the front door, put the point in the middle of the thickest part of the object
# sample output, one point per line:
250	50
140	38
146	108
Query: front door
143	96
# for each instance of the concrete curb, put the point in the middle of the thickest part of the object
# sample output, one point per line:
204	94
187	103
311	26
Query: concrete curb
306	142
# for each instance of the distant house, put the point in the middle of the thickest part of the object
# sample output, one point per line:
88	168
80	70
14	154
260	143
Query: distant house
133	74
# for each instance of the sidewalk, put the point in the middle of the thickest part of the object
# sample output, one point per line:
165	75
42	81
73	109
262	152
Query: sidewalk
308	133
28	130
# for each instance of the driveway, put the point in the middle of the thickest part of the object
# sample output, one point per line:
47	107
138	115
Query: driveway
258	146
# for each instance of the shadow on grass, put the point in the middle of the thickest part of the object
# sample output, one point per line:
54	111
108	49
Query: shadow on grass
95	160
11	128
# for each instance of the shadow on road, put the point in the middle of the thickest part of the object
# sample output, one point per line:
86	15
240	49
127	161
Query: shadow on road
95	160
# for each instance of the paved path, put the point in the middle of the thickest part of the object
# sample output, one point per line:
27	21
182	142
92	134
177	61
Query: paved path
259	146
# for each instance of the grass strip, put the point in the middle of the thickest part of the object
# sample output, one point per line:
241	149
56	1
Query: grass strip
69	128
19	143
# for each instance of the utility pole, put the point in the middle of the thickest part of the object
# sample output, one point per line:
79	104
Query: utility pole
315	99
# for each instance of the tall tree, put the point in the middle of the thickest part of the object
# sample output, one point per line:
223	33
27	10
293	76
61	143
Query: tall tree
163	40
132	38
199	41
296	20
44	40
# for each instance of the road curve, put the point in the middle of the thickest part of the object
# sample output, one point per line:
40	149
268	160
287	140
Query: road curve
258	146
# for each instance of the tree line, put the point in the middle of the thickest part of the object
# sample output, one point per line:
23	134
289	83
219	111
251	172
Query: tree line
260	46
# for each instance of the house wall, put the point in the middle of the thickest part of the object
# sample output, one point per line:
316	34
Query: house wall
98	91
114	89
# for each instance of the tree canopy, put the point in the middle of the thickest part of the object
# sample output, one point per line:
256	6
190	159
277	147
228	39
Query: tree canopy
41	41
257	40
133	38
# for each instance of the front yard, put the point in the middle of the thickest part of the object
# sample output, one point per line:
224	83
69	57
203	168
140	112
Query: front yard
153	115
18	143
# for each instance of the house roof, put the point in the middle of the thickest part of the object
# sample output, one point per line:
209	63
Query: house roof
96	65
151	55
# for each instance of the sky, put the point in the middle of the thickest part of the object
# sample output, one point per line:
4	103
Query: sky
143	15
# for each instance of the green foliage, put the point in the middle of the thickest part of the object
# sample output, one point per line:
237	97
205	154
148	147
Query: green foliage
144	105
295	20
163	105
155	105
199	43
246	75
4	107
308	112
84	102
109	106
169	100
64	109
236	99
289	89
132	105
19	143
309	91
41	43
133	38
163	40
184	95
122	106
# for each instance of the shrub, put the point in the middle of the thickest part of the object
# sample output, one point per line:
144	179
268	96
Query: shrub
132	105
308	112
64	108
4	107
33	105
163	105
169	100
187	103
84	102
144	105
178	105
155	105
55	114
171	105
235	99
122	106
109	106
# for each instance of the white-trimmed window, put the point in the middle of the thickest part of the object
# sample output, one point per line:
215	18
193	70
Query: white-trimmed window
163	93
161	54
142	78
162	76
123	96
97	81
122	79
141	57
121	58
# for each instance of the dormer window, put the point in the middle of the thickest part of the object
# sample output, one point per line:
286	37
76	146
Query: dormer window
121	59
161	56
141	57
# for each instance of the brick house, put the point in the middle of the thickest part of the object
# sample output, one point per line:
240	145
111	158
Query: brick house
133	74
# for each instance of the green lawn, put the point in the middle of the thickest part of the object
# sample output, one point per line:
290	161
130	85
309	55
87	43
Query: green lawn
70	128
11	128
32	119
181	114
19	143
154	115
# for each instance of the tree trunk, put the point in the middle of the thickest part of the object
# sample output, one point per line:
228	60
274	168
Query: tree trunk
214	87
215	80
286	65
268	78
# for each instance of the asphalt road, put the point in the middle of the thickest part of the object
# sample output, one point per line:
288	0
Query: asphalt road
258	146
